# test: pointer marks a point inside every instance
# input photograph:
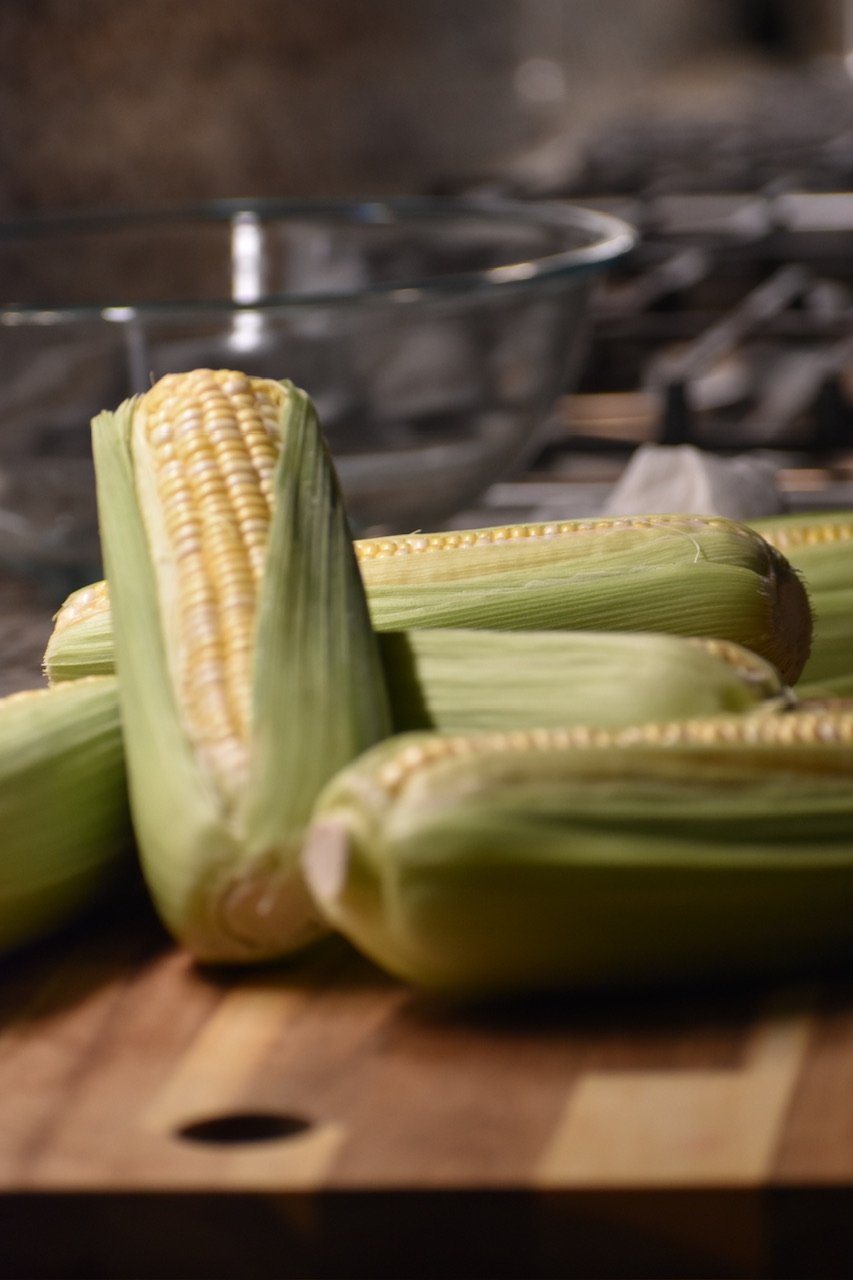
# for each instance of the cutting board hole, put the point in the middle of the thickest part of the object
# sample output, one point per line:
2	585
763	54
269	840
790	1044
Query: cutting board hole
243	1127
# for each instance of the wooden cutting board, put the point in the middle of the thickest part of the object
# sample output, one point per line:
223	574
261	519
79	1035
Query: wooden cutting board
319	1119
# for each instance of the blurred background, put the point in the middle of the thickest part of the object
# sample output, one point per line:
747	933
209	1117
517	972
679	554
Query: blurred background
721	129
146	101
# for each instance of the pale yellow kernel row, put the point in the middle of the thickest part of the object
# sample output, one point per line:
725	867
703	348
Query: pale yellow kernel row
791	729
742	660
88	602
408	544
810	535
215	441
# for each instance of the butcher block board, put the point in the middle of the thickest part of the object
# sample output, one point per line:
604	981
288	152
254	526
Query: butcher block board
317	1119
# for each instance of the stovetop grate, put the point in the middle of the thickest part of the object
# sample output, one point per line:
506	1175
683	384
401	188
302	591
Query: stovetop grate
731	326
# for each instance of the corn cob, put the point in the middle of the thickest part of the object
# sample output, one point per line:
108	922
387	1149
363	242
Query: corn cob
686	575
496	862
457	680
681	575
81	642
463	681
63	805
819	545
248	669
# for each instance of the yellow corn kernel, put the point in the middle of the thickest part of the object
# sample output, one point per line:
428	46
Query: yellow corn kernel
463	680
594	856
681	575
230	563
208	444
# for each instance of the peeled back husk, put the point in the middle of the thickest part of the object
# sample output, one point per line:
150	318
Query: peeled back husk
248	670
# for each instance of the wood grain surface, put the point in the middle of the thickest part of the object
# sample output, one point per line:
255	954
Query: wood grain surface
317	1119
353	1127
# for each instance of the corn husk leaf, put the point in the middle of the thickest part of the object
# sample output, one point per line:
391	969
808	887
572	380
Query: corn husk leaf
819	545
679	574
463	681
63	806
224	873
495	864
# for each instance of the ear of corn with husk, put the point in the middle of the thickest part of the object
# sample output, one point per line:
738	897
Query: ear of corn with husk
81	642
63	805
494	862
248	669
682	575
686	575
819	545
460	681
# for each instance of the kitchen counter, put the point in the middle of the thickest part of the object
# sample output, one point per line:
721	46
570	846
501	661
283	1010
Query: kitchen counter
318	1119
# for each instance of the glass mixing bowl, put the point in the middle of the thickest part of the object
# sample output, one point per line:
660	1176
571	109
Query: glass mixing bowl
433	336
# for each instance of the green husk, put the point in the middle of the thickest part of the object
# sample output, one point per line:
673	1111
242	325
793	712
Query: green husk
678	575
224	871
63	806
460	681
81	642
819	545
511	862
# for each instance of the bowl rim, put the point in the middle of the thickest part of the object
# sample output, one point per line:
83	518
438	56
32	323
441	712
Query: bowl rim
610	239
